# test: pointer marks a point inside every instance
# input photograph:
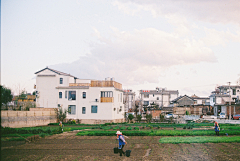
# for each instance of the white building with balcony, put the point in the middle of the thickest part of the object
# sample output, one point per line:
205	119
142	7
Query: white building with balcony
90	101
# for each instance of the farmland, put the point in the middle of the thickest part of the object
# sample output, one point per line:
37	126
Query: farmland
72	146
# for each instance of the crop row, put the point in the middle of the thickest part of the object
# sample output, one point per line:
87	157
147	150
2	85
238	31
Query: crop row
160	133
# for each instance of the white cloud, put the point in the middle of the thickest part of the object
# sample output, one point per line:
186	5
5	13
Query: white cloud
138	56
214	11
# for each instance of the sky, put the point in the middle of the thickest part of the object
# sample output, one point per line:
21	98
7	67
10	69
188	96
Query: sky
189	46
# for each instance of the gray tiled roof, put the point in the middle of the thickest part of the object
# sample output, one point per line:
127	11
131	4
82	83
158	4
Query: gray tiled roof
55	71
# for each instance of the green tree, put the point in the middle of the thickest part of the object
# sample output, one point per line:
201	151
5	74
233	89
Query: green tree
149	118
161	118
139	118
60	114
23	95
6	96
187	113
130	117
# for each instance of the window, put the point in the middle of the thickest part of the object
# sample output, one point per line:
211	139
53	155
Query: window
83	110
71	95
234	91
84	95
94	109
60	94
61	80
146	102
153	95
106	94
157	98
121	97
72	109
65	94
146	95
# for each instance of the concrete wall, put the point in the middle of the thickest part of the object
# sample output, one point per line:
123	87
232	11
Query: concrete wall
18	119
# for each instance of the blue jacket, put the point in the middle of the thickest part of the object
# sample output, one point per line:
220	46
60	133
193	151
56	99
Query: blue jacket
216	128
121	140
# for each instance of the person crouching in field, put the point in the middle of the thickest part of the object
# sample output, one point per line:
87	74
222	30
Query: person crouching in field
121	142
217	128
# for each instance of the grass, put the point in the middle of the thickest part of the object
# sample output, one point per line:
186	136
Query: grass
200	139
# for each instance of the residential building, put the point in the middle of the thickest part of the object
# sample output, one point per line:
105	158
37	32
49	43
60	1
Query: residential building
194	105
89	101
129	100
224	96
159	97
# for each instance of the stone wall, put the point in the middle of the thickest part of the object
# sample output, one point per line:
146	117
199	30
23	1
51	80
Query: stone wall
18	119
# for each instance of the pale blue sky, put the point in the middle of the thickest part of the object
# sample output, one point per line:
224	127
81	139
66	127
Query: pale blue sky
190	46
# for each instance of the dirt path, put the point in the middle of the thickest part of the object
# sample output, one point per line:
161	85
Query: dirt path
68	146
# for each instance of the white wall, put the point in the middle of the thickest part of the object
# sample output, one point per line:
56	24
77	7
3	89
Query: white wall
105	111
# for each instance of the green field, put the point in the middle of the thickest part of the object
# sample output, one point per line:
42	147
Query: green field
200	139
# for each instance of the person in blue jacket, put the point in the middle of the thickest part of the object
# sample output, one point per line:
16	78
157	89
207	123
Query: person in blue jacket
121	142
217	128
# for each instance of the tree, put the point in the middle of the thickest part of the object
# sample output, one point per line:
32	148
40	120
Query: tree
60	114
6	95
161	118
130	117
139	118
149	118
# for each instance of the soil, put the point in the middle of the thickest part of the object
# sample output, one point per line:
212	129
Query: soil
68	146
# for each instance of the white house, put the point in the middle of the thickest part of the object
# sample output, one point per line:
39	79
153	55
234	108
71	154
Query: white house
90	101
160	96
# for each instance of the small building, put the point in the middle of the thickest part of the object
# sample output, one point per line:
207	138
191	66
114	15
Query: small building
88	101
129	100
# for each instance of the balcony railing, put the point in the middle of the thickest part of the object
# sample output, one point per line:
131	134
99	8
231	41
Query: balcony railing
99	84
80	84
106	99
106	84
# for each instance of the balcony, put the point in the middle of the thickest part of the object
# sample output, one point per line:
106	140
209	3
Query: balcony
106	84
106	99
96	83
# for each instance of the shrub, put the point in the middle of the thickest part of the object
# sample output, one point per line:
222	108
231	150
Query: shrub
129	128
130	117
116	128
161	118
139	118
122	128
136	128
149	118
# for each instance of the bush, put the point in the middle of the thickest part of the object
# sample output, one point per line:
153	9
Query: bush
123	128
136	128
130	117
139	118
149	118
129	128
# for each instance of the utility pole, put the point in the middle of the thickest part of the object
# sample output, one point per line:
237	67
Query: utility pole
229	102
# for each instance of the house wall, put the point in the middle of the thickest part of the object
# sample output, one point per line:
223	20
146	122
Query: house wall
18	119
105	110
185	102
156	113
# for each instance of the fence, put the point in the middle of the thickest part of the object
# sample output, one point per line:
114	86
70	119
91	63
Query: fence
34	117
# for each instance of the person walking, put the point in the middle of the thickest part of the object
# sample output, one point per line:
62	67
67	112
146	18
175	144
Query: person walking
217	128
121	142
